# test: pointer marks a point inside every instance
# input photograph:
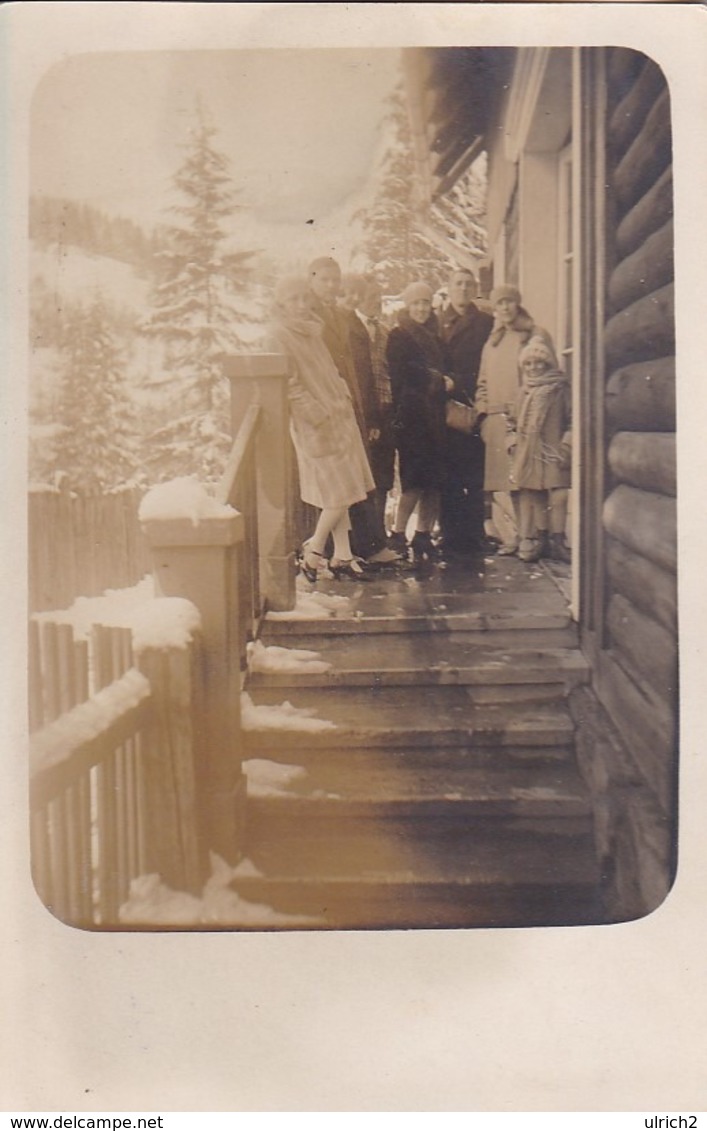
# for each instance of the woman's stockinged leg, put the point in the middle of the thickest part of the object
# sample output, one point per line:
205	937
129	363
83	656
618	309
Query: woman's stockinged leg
342	540
526	513
329	520
557	509
406	505
428	510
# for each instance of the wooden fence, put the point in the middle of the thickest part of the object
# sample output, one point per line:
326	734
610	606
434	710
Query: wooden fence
81	544
135	760
112	769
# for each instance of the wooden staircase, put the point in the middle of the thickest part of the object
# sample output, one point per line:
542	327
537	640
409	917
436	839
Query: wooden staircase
445	794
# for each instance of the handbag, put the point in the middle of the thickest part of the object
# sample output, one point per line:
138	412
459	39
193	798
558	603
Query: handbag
461	417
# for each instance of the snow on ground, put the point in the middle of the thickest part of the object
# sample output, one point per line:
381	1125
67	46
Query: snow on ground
282	716
156	622
290	660
313	605
184	497
74	273
270	779
152	902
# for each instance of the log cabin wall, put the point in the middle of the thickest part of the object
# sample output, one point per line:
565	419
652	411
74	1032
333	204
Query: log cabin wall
634	644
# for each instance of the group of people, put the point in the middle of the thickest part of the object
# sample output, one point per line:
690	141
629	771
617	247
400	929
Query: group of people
365	398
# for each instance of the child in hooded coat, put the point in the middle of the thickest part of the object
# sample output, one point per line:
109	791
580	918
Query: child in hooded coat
540	443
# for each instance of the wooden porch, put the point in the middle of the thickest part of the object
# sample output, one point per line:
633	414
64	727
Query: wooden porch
433	781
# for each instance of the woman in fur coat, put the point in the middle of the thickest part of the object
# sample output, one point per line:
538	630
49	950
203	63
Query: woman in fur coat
415	358
333	467
496	394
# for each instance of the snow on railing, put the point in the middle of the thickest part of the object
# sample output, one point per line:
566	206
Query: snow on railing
112	711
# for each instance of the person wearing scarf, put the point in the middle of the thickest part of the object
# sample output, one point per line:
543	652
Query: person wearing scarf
541	447
333	467
496	393
419	389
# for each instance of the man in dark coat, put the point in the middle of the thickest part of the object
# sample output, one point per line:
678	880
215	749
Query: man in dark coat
367	532
368	337
464	329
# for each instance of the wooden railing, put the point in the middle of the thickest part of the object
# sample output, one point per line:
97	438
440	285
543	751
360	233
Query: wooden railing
238	489
112	769
135	761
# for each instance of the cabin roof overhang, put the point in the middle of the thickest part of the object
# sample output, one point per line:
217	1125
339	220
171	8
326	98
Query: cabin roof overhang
453	95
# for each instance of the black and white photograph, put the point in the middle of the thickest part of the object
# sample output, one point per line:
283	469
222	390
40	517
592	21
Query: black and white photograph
352	488
351	456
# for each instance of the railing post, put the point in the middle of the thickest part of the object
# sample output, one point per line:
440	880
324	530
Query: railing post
263	378
198	562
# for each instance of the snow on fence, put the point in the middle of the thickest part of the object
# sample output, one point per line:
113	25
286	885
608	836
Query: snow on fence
82	543
112	774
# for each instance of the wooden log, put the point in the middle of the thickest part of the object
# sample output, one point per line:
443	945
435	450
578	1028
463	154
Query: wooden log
646	158
643	331
650	649
641	397
623	66
653	210
628	117
644	523
649	268
646	724
646	585
645	459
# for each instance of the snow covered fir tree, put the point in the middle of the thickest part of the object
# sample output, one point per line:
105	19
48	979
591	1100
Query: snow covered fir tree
95	444
200	299
397	245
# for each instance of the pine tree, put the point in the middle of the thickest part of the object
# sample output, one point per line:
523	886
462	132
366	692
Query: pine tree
95	444
198	304
396	247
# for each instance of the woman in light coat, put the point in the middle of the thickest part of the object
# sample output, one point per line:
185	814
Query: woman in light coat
333	467
496	395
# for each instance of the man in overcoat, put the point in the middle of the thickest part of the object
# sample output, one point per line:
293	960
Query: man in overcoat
368	336
463	328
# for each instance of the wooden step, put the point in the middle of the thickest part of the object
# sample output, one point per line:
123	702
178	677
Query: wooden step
403	716
503	619
427	881
337	792
364	661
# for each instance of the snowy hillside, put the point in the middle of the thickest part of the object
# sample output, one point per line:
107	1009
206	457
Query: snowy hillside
73	274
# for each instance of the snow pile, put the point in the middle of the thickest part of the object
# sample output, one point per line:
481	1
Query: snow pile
156	622
312	605
184	497
152	902
270	779
282	716
87	721
290	660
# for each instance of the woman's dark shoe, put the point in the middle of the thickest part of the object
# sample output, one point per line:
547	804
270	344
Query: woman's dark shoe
422	547
559	550
544	540
351	569
398	542
311	562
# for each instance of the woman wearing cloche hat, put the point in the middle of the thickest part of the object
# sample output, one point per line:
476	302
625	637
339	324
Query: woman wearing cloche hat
416	362
496	395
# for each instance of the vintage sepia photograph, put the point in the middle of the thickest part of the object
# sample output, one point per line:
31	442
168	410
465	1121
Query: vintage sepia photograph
352	552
